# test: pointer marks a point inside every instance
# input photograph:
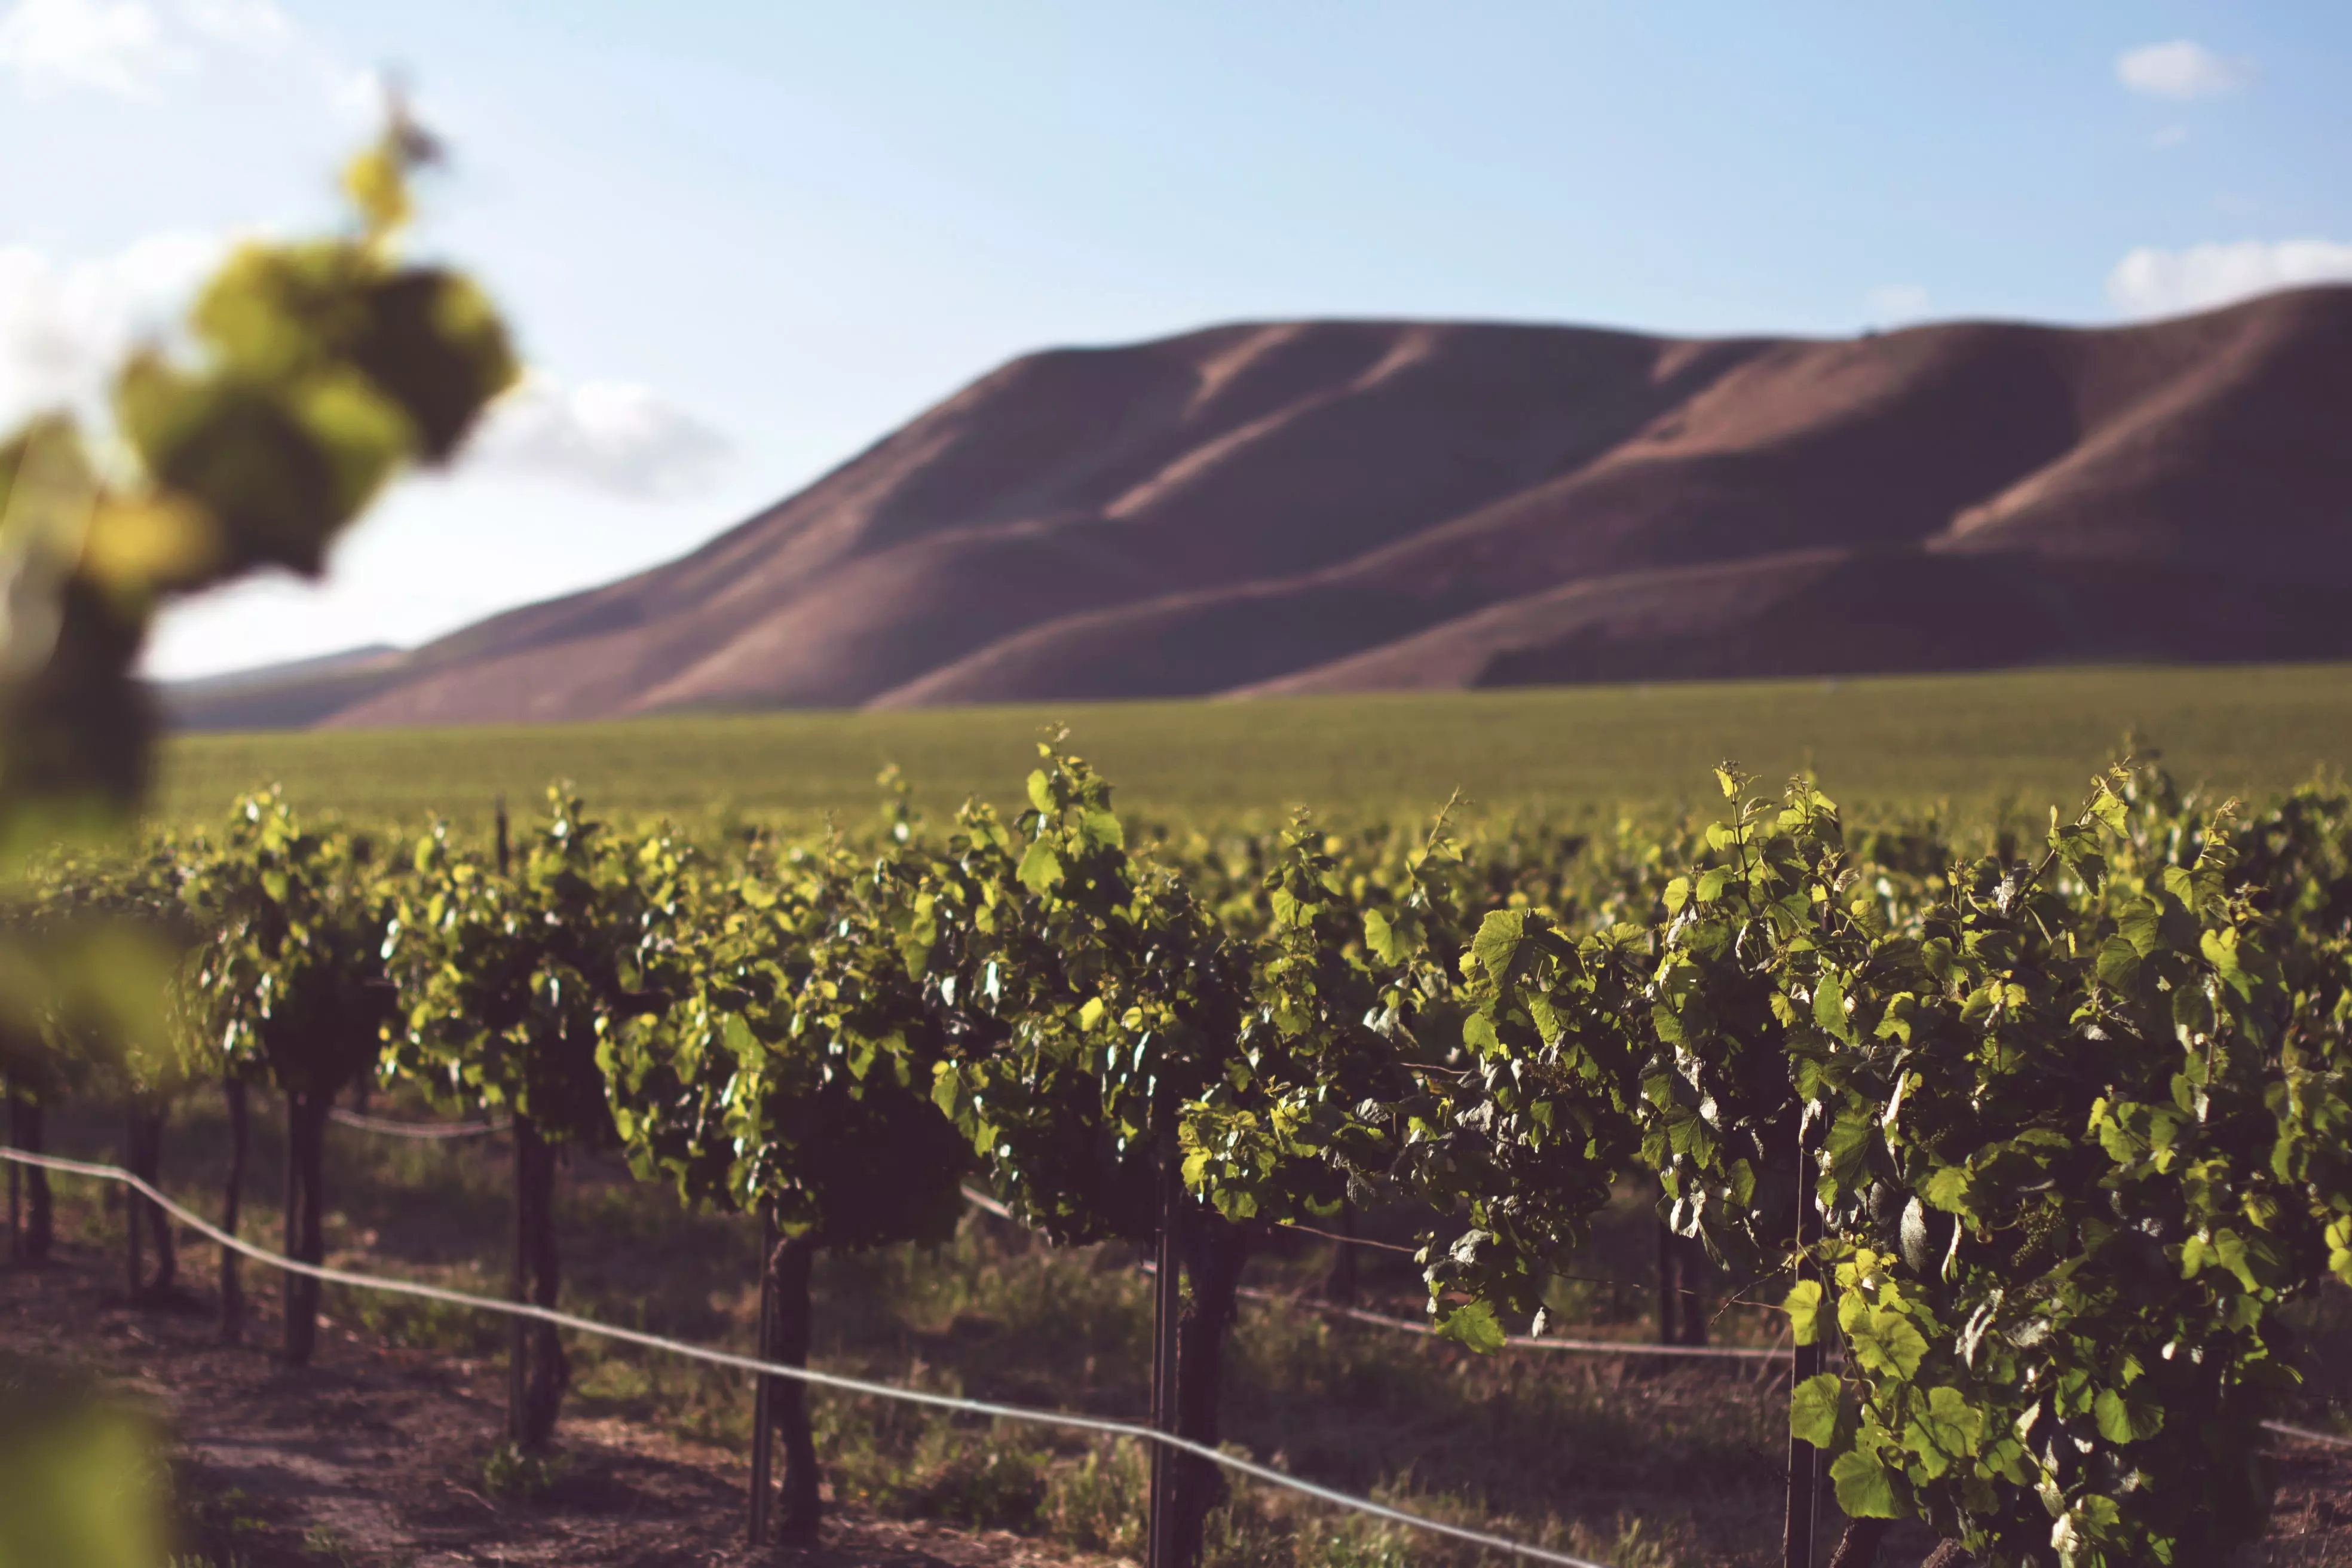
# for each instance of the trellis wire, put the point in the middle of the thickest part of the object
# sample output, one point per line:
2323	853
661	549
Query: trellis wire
392	1129
820	1379
2306	1433
981	1200
978	1406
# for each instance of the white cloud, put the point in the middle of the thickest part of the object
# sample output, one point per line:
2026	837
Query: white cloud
2180	69
1892	304
2152	283
64	327
609	435
358	95
256	25
127	48
114	46
2169	136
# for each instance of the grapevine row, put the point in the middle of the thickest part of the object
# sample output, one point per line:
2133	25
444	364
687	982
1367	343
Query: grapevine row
2044	1138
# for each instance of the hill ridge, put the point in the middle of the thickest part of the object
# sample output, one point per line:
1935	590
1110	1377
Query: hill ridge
1328	505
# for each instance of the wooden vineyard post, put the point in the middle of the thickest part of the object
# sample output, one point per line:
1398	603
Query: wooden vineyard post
1167	1308
518	1291
535	1390
232	1286
144	1155
518	1278
763	1387
31	1136
306	1126
1691	1274
133	1209
290	1233
1804	1459
1682	1298
1339	1279
801	1496
1669	1310
15	1186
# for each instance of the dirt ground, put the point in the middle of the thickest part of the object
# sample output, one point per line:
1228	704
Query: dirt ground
372	1455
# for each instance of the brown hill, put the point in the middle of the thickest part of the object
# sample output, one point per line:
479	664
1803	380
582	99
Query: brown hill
1348	505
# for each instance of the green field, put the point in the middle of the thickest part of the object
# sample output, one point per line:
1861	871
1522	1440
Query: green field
1879	746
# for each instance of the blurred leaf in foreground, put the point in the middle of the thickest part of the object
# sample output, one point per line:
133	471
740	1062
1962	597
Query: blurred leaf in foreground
78	1476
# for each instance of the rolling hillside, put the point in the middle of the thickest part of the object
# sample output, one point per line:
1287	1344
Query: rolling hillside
1338	506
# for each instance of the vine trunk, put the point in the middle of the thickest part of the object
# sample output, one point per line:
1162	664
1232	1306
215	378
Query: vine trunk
305	1222
785	1321
144	1156
538	1371
28	1131
240	1139
1215	1250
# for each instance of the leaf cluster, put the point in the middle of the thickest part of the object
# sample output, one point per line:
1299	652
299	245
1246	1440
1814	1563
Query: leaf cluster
1087	996
511	984
791	1070
289	984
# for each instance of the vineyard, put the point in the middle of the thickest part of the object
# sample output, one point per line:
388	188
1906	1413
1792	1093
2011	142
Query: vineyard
2030	1147
1186	1186
1894	744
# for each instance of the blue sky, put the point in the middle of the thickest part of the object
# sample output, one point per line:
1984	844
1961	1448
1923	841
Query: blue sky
740	241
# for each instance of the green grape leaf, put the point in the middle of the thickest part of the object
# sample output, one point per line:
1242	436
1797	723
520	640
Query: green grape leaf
2122	1419
1814	1409
1884	1340
1804	1304
1474	1324
1041	868
1865	1487
1497	945
1945	1424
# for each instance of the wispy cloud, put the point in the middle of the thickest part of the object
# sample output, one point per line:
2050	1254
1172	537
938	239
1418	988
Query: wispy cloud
609	435
2168	137
2181	69
127	48
256	24
2153	282
110	46
65	325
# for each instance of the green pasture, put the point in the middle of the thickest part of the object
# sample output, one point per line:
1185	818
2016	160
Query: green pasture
1880	745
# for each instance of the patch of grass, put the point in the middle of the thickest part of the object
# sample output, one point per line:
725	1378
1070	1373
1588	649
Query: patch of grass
512	1475
416	1321
688	1399
1890	743
1640	1466
997	1485
1264	1528
1546	1448
1257	1531
230	1515
325	1544
213	1527
1098	1500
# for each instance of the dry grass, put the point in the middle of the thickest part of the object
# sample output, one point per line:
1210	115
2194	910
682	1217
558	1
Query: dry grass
1639	1466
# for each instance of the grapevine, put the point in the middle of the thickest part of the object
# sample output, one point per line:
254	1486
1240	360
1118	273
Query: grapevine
2042	1140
